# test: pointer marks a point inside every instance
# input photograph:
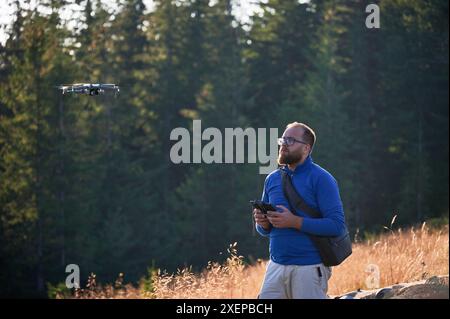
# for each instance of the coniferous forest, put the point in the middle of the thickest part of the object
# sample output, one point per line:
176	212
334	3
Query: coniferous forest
88	180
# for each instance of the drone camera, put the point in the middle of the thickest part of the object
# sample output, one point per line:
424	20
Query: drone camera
94	92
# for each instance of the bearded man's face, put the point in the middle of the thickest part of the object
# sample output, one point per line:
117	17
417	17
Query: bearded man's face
294	153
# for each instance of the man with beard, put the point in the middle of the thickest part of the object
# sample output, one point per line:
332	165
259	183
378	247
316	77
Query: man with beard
295	269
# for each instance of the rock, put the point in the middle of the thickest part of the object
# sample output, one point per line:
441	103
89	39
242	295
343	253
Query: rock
423	291
435	280
385	293
349	295
436	287
397	287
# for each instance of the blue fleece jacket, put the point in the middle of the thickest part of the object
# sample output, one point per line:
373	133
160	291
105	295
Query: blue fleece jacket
319	189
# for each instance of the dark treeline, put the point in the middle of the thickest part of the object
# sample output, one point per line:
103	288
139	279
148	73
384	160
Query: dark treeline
89	181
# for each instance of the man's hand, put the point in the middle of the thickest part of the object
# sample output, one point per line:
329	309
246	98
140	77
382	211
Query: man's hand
284	219
261	219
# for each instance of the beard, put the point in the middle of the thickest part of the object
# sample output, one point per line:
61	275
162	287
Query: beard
289	158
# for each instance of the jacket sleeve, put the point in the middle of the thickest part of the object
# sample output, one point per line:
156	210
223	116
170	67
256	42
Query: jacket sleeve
264	198
330	206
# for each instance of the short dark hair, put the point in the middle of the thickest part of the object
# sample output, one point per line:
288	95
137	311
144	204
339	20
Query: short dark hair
309	135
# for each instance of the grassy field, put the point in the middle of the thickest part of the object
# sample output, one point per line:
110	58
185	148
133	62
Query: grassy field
394	257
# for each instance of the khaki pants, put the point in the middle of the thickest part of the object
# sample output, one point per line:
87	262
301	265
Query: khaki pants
295	282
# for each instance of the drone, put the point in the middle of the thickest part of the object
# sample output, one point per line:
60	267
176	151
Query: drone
88	88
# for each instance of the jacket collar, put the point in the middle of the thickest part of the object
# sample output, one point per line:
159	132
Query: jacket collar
300	168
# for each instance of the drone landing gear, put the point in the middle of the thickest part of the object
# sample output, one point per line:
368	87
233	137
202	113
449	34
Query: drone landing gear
94	92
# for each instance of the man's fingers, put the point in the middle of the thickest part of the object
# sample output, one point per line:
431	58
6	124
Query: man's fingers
261	219
273	214
256	211
263	222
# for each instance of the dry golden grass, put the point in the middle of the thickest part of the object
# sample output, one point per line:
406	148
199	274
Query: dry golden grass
230	280
399	256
